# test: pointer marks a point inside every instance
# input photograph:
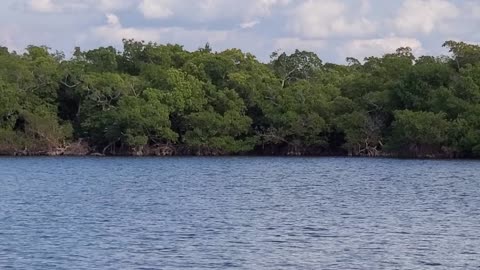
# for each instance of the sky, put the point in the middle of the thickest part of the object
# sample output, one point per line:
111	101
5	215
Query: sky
334	29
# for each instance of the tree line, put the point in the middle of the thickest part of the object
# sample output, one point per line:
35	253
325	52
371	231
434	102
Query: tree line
153	99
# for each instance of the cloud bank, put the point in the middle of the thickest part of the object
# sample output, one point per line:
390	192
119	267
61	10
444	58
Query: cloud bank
334	29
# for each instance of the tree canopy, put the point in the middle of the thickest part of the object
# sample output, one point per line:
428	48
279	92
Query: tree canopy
155	99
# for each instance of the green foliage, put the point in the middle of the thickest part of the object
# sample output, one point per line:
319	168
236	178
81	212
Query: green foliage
134	122
222	128
43	125
463	54
183	92
102	59
418	86
9	105
465	132
212	132
300	65
363	133
149	96
414	130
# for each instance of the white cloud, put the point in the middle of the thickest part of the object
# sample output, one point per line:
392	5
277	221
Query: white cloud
424	16
264	7
156	9
476	12
334	27
43	6
322	19
113	20
291	44
473	8
249	24
8	38
209	10
110	5
113	32
365	6
361	48
55	6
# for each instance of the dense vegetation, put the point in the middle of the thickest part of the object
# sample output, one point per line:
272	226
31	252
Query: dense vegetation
151	99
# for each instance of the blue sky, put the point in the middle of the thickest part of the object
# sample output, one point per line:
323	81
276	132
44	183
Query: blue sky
334	29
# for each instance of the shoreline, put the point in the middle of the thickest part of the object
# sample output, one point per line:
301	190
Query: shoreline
393	157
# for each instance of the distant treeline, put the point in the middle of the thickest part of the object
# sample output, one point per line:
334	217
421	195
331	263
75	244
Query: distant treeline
152	99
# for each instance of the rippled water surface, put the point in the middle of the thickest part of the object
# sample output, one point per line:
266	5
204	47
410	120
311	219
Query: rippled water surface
239	213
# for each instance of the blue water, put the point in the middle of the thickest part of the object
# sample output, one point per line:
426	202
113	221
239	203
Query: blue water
238	213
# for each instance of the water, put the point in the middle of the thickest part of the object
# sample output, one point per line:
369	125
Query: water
238	213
